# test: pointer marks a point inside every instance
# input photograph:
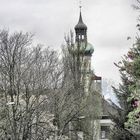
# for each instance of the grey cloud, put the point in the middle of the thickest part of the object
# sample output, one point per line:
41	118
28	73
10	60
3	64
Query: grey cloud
109	23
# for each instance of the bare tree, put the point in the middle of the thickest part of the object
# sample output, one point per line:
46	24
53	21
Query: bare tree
27	76
12	57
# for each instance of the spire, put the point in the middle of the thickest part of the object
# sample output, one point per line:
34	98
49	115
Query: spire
80	17
80	24
81	29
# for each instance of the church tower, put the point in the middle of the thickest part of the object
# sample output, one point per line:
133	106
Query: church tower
85	50
92	122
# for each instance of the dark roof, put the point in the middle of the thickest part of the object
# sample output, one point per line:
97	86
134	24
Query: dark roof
96	77
109	108
80	24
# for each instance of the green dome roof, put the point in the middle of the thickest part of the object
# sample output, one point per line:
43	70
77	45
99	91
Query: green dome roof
84	48
89	48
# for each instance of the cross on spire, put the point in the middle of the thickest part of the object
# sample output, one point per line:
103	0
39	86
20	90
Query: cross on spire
80	5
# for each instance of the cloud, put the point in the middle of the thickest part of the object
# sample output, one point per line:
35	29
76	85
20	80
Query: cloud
109	23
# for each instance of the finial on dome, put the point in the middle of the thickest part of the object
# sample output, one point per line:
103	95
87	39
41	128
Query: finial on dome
80	5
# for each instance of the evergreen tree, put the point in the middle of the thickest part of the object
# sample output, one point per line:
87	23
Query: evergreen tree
128	93
133	117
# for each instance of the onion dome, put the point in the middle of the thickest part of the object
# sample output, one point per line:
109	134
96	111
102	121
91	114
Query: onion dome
85	48
80	24
89	49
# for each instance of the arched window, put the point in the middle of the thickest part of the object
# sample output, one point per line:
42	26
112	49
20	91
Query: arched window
79	37
82	36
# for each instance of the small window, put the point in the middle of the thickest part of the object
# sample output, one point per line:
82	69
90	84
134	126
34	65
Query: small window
82	36
79	36
103	134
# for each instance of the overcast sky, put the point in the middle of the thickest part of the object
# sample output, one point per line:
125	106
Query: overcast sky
109	23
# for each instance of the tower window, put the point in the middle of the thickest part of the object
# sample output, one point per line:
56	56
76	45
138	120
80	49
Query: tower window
82	36
79	37
103	134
